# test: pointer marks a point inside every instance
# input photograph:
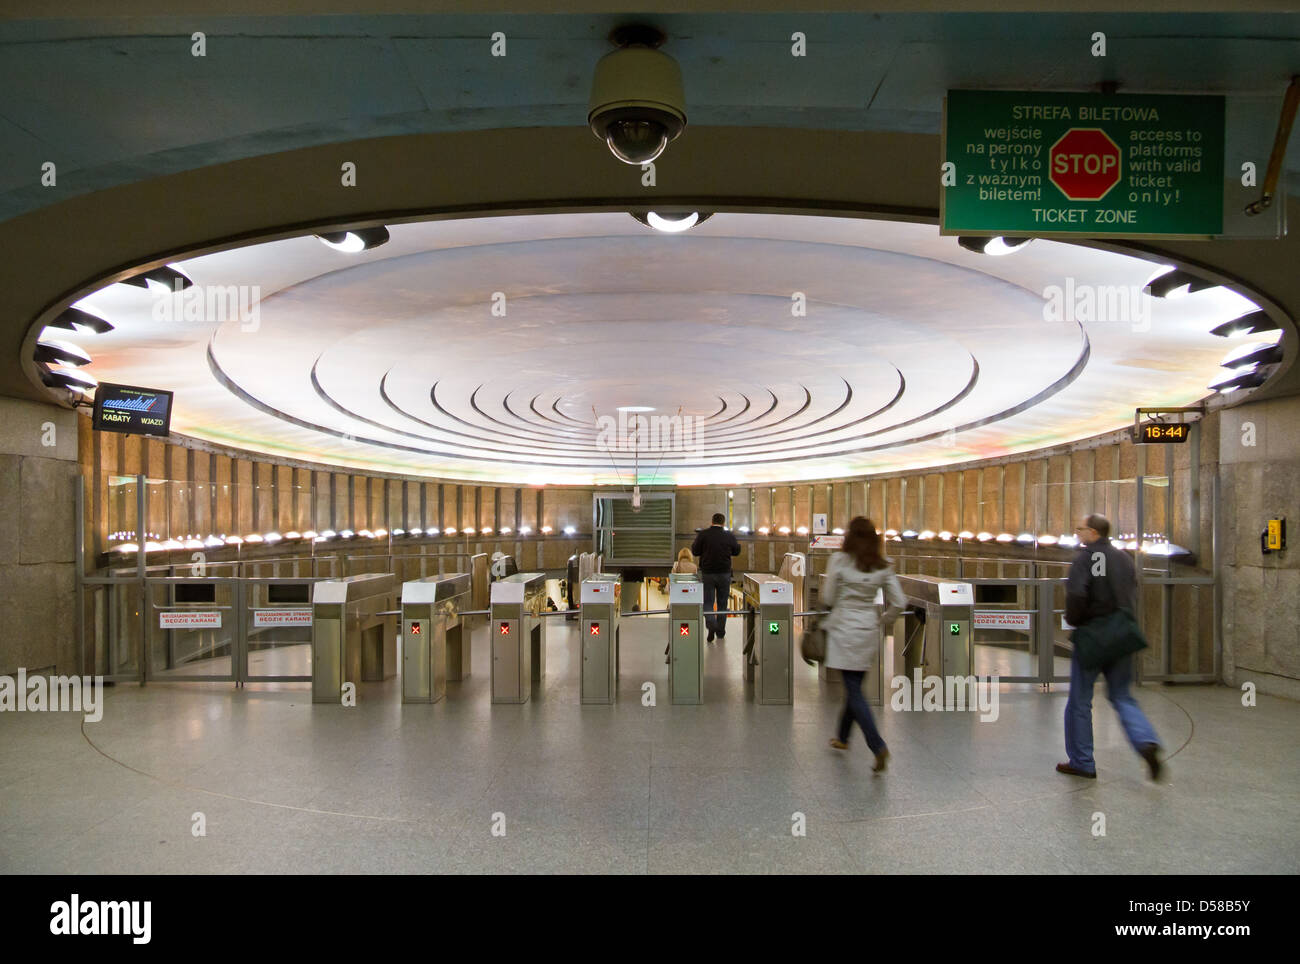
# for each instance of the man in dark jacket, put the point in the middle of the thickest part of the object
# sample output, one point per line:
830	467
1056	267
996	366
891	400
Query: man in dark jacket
1101	580
714	547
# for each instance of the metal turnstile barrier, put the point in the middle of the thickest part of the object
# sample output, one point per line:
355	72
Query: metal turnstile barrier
935	629
518	639
769	633
354	634
600	596
435	640
685	632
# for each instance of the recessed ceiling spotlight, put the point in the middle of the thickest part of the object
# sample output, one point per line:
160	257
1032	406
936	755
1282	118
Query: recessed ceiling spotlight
165	276
1171	284
1254	323
993	246
635	408
355	239
671	222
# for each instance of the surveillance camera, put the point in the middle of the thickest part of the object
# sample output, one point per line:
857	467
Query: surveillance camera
637	102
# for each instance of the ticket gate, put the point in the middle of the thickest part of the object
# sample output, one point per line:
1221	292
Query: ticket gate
600	595
685	632
937	626
769	632
435	642
354	634
518	640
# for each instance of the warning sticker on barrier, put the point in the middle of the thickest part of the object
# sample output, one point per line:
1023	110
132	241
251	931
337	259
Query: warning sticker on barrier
1001	619
263	618
189	620
826	542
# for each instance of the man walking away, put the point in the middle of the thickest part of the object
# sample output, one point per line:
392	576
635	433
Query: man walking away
1101	580
714	547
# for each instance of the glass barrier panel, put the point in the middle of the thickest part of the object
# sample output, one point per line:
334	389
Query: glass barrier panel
191	630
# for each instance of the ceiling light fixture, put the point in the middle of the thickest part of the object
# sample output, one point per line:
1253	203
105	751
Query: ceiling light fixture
173	279
993	246
674	222
1254	323
354	240
52	352
1170	284
1231	381
81	319
69	378
1255	353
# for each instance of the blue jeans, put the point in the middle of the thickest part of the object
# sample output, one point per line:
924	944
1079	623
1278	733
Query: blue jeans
717	586
1078	711
856	708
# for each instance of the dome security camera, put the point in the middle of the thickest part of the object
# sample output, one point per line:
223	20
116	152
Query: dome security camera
637	102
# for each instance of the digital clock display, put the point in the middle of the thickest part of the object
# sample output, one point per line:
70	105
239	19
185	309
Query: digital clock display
1157	432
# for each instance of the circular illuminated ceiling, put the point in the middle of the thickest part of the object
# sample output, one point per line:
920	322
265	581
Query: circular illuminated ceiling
588	348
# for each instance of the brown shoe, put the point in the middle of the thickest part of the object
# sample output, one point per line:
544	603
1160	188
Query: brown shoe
839	745
1074	772
882	760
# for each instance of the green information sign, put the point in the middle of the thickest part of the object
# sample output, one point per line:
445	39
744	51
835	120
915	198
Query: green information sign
1040	164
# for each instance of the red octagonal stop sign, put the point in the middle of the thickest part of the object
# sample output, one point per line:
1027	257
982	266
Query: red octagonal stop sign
1085	164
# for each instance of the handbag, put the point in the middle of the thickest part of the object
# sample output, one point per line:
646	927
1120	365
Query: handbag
1100	642
812	644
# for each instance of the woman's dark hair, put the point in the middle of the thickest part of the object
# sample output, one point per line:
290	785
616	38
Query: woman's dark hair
864	545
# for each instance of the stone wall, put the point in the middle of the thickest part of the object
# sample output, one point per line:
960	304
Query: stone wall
38	471
1259	454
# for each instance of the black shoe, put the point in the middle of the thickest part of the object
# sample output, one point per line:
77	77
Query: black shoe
1066	768
710	639
1151	753
722	634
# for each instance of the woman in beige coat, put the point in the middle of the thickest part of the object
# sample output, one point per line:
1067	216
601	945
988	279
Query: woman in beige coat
853	629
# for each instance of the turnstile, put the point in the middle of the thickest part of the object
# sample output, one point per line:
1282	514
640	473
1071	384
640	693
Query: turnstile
769	631
350	640
600	597
518	639
685	631
435	642
937	625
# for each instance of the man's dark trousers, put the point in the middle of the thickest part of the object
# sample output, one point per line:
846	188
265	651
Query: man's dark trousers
717	585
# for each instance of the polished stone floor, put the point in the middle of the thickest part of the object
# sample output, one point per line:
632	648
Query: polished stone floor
285	786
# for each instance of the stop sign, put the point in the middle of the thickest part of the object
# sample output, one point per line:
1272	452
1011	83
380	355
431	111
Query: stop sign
1085	164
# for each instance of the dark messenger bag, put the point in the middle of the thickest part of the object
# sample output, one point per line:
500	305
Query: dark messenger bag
1100	642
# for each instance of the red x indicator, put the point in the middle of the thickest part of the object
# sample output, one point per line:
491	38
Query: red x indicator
505	629
415	629
685	630
595	629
